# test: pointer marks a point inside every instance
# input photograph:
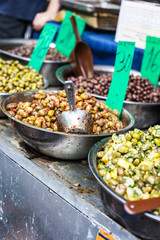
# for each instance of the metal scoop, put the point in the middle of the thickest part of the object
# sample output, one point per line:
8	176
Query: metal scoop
81	57
142	205
74	120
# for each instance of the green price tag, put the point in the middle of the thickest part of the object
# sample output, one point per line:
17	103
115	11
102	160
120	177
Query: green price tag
151	60
42	46
119	83
65	41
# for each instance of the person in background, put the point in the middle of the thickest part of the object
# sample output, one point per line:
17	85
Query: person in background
17	15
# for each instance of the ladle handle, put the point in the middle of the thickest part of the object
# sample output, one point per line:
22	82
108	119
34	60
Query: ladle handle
74	25
69	88
142	205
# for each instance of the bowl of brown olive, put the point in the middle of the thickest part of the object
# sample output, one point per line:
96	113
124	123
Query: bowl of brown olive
34	115
15	77
126	167
142	98
21	50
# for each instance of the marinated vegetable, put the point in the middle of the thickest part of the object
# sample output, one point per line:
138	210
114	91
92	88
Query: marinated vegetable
14	77
46	107
130	164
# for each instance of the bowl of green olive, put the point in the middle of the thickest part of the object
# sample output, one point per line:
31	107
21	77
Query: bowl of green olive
15	77
127	167
21	50
35	120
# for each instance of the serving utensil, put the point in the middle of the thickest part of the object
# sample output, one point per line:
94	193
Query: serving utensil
81	57
74	120
142	205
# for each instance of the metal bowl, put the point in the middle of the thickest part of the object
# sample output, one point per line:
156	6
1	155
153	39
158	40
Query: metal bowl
4	95
48	68
58	144
144	225
145	114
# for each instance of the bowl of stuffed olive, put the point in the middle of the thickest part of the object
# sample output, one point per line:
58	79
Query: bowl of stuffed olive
35	120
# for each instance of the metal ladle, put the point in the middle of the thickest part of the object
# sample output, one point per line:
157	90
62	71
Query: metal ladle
81	57
142	205
74	120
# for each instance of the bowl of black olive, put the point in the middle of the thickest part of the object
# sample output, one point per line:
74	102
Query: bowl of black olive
142	98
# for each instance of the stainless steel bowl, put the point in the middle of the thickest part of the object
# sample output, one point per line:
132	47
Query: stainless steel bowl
144	225
145	114
57	144
4	95
48	68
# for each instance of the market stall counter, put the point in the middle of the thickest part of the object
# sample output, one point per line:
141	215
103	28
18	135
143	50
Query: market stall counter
45	198
103	46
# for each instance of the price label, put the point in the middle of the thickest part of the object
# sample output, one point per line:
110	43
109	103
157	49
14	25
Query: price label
102	235
119	83
151	60
65	41
42	46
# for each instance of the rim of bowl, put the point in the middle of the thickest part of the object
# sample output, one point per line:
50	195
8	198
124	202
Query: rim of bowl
46	84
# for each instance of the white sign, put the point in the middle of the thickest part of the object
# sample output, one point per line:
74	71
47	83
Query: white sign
138	19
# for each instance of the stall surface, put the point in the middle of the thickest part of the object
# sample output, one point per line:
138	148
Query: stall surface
38	198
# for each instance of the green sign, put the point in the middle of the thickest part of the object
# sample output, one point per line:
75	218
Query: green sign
42	46
119	83
65	41
151	60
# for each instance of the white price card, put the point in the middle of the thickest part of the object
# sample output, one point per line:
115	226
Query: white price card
138	19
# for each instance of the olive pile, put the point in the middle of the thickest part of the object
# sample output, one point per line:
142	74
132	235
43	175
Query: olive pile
15	77
130	164
26	51
46	107
139	89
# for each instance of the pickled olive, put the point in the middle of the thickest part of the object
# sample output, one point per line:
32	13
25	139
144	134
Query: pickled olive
47	118
14	79
42	112
136	135
157	141
11	105
101	166
134	141
122	149
137	167
50	105
128	136
136	162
